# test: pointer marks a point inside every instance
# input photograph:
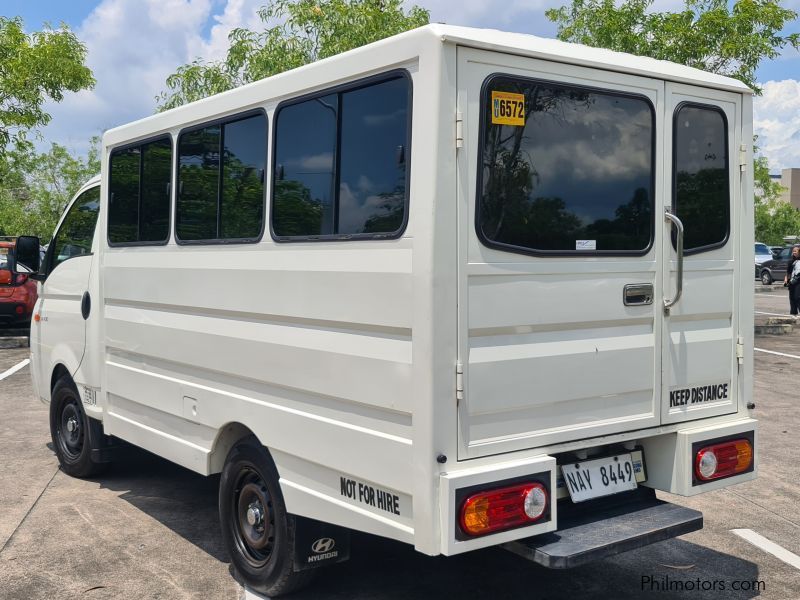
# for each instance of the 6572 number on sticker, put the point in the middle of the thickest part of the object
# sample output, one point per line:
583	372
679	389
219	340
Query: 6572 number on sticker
508	108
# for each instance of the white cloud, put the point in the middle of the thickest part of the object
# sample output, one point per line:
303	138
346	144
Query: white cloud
776	120
510	15
236	14
133	46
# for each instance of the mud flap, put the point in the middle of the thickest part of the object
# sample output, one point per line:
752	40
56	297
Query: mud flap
318	544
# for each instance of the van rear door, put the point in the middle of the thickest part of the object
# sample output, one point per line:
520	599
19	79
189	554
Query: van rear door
564	182
561	248
703	135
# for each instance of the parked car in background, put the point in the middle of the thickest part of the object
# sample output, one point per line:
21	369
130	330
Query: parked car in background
17	291
763	253
775	268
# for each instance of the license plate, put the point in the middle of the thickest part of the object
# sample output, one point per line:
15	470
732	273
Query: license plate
600	477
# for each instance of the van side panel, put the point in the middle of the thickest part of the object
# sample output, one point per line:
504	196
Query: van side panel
187	353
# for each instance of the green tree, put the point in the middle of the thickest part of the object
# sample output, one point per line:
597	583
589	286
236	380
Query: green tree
307	30
712	35
774	220
35	68
36	187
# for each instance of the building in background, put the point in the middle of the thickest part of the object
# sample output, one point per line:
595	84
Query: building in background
790	180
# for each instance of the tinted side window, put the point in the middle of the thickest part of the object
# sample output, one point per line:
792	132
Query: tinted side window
305	149
74	237
565	169
140	188
340	163
221	181
702	199
243	163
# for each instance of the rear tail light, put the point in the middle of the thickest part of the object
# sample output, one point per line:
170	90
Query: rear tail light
505	508
723	460
21	278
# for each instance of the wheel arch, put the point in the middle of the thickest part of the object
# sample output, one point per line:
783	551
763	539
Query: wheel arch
227	437
59	371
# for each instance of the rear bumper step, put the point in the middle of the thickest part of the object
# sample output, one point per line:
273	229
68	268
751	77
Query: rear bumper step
589	536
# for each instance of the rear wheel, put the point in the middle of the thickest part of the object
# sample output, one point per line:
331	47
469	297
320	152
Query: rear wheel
74	434
256	529
766	277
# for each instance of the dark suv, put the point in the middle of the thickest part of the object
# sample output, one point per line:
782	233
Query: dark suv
774	269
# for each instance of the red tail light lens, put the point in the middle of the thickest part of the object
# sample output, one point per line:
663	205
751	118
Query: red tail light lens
505	508
723	460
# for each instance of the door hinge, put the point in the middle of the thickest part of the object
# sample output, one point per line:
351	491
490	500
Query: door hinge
459	129
740	350
743	158
459	382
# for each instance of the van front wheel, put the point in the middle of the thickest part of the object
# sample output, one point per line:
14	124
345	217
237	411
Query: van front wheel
74	434
256	529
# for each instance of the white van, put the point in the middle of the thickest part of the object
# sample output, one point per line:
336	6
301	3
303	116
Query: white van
458	288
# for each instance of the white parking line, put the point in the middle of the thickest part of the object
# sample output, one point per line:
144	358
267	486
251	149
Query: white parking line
15	368
778	353
790	558
758	312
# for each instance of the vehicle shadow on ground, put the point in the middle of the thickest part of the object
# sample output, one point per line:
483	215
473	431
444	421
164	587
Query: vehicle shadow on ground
396	571
180	499
186	503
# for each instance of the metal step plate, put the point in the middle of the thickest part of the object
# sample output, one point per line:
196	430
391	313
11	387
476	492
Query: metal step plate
607	529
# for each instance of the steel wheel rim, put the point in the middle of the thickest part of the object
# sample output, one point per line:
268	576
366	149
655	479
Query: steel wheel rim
254	520
71	430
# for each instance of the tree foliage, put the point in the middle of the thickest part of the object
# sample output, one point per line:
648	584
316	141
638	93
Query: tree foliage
712	35
774	220
36	187
35	68
296	32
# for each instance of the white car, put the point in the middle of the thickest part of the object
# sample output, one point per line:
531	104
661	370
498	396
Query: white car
763	253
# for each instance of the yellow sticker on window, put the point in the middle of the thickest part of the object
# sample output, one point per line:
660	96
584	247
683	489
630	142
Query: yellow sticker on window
508	109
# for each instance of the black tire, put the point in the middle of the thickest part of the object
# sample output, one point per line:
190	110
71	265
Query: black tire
766	277
74	434
256	529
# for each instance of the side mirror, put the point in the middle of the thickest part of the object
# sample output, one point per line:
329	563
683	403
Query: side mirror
26	254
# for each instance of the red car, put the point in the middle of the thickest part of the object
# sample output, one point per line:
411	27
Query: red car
17	292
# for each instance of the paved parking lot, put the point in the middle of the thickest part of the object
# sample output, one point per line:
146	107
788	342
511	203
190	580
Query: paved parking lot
148	528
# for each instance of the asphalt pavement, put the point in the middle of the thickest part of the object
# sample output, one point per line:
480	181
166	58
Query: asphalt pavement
149	529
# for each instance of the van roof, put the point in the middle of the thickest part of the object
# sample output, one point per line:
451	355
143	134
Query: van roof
325	72
601	58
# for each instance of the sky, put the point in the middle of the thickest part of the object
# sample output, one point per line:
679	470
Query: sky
134	45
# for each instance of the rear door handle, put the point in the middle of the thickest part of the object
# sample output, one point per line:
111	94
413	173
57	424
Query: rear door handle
638	294
671	218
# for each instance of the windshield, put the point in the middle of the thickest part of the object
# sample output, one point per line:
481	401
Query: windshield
763	249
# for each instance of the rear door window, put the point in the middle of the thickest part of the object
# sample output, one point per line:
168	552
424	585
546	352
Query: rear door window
700	176
565	169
